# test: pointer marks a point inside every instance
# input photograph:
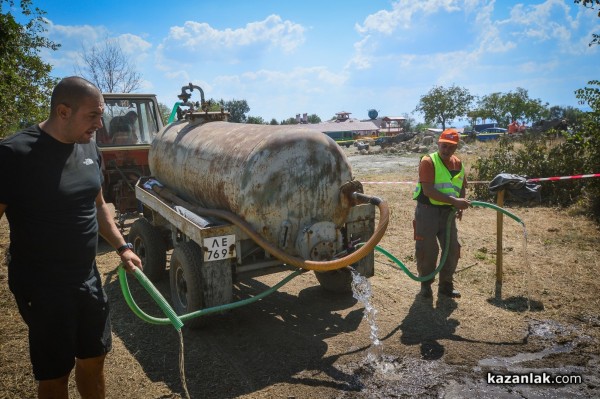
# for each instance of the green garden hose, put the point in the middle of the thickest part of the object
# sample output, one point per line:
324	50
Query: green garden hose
173	112
172	318
177	321
447	245
496	207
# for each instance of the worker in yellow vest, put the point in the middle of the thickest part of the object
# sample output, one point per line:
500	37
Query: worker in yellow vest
441	187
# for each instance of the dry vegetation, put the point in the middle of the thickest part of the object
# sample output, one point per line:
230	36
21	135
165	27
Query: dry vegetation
302	342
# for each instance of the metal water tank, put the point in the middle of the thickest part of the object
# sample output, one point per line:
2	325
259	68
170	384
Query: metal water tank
281	179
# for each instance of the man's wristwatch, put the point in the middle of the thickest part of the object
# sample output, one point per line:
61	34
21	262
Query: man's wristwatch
124	248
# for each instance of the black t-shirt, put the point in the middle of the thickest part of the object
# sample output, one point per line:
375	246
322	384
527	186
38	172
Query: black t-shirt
50	190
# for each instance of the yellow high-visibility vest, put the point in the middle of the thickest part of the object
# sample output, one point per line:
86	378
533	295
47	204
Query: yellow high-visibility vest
444	182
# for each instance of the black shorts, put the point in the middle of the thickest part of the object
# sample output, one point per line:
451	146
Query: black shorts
65	322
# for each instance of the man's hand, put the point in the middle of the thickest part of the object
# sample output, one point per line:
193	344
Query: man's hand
460	203
131	260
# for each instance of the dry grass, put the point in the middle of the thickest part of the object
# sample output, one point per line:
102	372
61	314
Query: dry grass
562	249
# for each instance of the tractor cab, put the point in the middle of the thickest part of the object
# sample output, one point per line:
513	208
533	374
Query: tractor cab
130	122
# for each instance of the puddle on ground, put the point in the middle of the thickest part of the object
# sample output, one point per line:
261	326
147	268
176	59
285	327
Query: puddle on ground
402	377
546	330
408	377
549	332
508	362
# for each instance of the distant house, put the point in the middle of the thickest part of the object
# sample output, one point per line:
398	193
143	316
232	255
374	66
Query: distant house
345	127
392	124
388	125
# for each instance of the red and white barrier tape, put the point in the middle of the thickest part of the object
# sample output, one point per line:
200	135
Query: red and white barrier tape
389	182
487	182
565	177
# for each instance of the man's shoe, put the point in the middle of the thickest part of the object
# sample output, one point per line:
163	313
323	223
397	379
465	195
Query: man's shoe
426	291
447	289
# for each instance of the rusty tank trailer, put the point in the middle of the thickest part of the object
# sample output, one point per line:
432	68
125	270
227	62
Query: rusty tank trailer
239	200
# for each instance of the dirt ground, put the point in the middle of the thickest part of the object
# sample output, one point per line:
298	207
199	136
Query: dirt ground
303	342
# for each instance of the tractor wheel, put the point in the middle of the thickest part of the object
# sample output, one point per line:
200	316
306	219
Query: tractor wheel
150	246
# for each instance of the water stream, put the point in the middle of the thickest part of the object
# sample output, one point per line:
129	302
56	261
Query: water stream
361	291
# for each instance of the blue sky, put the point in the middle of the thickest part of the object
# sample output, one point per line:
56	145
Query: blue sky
322	57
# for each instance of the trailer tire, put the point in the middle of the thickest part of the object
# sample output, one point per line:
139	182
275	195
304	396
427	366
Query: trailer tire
340	281
150	246
196	284
186	281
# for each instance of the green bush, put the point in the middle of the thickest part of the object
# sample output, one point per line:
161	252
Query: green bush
531	156
578	155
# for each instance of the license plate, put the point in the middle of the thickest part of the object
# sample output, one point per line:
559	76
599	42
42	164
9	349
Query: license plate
217	248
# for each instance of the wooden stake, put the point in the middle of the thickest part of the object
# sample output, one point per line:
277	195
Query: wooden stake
499	224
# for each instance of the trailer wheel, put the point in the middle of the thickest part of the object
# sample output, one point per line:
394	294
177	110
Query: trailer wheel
150	246
196	284
186	281
340	281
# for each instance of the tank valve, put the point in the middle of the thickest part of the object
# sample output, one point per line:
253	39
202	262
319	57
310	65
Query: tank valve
347	191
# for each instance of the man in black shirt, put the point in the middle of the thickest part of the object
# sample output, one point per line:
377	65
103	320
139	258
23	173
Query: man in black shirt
50	190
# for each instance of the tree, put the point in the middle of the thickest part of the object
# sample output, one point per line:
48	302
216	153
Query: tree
491	107
588	138
591	96
572	115
520	106
256	120
442	105
109	68
289	121
25	81
478	114
503	107
165	112
214	105
409	124
273	122
237	110
313	118
421	127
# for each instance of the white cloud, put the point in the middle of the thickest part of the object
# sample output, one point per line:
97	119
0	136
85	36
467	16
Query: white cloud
551	21
402	14
536	67
547	27
362	56
133	44
409	17
491	38
181	75
308	79
69	35
74	39
205	41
